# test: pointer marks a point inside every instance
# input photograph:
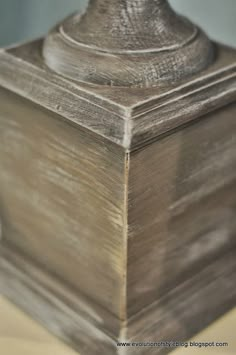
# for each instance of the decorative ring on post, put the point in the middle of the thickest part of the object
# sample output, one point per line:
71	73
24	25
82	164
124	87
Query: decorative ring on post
130	43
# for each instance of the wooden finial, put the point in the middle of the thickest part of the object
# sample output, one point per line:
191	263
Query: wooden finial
131	43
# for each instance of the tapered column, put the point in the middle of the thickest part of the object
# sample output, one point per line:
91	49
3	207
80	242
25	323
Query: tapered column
134	43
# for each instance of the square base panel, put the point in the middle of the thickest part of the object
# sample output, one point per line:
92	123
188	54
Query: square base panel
183	312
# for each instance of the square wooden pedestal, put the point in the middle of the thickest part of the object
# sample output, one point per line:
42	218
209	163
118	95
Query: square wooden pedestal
117	206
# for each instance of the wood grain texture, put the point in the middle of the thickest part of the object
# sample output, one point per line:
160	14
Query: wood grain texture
185	309
182	204
170	318
129	117
20	335
62	194
69	315
70	200
117	201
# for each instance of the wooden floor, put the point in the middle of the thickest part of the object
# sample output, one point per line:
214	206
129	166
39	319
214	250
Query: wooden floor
20	335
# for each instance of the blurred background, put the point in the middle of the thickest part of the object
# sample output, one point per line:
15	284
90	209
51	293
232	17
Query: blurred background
22	20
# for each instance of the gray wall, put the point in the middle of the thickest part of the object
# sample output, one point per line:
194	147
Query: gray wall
21	20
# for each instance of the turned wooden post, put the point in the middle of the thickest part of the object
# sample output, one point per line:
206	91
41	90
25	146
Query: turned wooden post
117	178
140	43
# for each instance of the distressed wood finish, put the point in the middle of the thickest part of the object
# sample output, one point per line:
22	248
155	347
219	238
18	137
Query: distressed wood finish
20	335
129	117
74	188
170	318
151	43
118	177
182	205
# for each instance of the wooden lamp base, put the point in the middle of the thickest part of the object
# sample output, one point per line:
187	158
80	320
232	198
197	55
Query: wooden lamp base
117	178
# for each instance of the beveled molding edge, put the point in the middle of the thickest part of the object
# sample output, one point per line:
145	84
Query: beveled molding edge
130	118
78	326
